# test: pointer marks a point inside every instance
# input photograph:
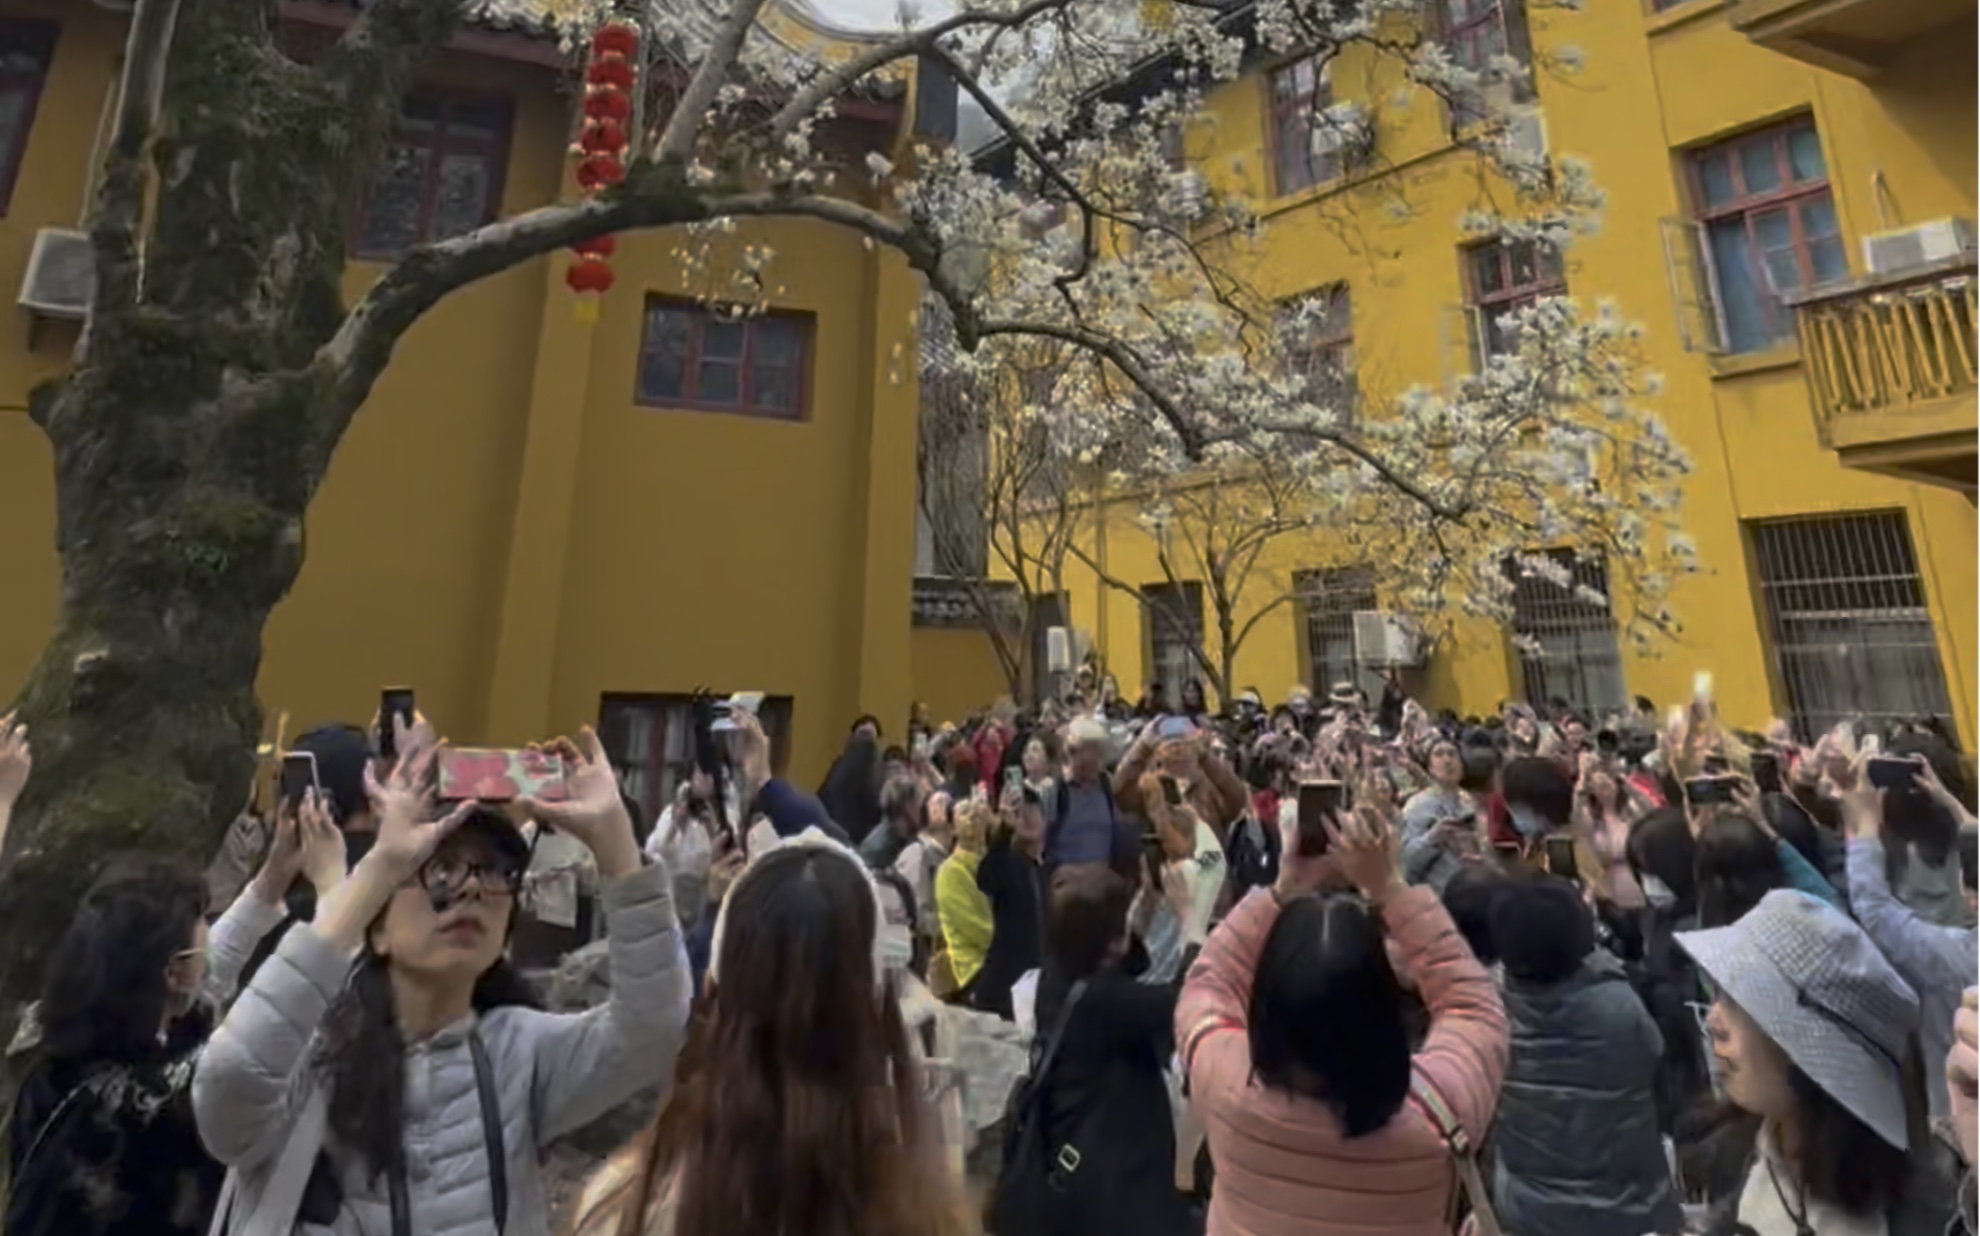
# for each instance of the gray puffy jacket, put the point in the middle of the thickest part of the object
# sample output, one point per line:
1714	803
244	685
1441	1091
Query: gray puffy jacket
554	1073
1576	1151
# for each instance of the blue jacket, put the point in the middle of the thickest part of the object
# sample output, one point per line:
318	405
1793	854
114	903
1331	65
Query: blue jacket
1577	1150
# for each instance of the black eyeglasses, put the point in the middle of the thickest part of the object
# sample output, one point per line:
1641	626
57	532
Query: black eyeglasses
450	873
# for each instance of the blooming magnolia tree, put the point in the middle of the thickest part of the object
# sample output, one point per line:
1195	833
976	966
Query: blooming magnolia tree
220	365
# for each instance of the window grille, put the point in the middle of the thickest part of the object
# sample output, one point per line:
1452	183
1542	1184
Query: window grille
1847	618
1567	641
1328	599
1172	625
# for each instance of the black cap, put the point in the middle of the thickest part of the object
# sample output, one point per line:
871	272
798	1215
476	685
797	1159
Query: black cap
494	824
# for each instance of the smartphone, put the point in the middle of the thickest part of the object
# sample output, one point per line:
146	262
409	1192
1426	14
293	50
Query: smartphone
1317	801
1172	790
393	702
500	776
1703	791
1013	780
1893	772
1560	859
299	777
1175	727
750	702
1767	772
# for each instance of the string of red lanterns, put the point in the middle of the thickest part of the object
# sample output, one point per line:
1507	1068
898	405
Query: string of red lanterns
610	75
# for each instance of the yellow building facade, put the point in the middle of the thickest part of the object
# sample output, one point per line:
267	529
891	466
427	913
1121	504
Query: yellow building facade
535	523
1826	396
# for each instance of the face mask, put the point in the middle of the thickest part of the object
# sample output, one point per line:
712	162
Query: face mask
1657	892
1528	823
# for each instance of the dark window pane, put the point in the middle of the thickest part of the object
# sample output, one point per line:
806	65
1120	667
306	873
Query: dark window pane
1715	180
663	362
1760	165
723	337
13	124
476	122
718	381
776	341
391	219
466	196
1805	155
774	387
1487	272
1295	153
1742	300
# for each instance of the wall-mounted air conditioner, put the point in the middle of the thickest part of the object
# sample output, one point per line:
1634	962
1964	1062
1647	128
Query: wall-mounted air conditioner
1906	249
1382	639
61	275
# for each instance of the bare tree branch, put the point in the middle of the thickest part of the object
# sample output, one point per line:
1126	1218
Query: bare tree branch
119	206
832	84
691	109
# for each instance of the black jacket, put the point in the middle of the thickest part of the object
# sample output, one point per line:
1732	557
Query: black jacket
1016	888
1107	1096
1577	1150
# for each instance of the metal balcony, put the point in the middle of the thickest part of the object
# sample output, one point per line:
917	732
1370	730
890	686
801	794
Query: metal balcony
1891	375
1855	37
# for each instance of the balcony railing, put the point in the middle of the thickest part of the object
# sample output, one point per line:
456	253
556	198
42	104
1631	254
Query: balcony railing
1890	362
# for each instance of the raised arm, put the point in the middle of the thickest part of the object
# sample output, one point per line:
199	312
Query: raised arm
1216	995
1465	1055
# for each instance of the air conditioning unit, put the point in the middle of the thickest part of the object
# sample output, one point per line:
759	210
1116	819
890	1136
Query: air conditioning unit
1526	132
61	275
1907	249
1383	639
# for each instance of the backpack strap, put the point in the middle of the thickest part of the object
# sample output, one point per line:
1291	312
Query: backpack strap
1057	1037
1426	1098
490	1103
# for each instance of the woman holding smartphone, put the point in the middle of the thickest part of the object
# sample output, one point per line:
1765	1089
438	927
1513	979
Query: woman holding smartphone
384	1071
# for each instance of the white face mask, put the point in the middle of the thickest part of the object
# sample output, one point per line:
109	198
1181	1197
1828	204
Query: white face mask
1657	892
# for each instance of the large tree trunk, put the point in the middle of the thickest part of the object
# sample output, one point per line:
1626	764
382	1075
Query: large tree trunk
189	437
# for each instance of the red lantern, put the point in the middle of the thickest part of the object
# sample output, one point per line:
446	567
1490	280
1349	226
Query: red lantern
610	69
616	37
608	103
599	247
590	275
600	171
603	137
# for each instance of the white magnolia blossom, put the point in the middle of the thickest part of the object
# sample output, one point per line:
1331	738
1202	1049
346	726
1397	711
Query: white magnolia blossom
1084	235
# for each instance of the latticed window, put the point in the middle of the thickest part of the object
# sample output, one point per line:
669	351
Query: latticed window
1328	600
1172	624
1566	633
442	175
1848	621
1321	351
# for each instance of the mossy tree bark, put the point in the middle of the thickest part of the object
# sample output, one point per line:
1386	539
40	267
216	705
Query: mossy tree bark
213	381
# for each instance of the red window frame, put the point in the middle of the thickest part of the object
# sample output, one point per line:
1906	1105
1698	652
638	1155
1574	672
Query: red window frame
1464	40
1300	110
1335	343
36	39
1745	204
440	144
744	405
1512	295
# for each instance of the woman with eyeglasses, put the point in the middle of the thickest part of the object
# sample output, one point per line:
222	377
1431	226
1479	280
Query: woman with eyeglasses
385	1071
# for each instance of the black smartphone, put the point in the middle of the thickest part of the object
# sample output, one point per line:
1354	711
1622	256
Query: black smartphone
1767	772
1704	791
1172	790
1317	801
393	702
1893	772
298	777
1560	858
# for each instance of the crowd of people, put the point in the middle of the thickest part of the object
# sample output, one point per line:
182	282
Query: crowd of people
1331	968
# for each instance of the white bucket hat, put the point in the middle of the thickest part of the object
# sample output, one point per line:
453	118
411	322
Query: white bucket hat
1813	981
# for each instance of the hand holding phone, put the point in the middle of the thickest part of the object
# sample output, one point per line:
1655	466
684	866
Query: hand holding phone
1893	772
299	777
1318	802
395	712
500	776
1707	791
1560	859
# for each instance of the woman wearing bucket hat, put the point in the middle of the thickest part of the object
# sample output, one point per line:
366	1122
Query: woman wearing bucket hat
1811	1025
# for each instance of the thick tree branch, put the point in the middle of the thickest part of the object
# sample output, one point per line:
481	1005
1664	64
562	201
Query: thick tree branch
677	139
119	206
832	84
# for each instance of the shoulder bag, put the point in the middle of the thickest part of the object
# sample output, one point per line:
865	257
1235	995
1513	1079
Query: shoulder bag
1483	1221
1034	1174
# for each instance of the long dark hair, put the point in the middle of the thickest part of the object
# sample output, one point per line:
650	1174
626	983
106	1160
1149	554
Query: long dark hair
1838	1158
1737	865
797	1103
1326	1013
105	995
361	1054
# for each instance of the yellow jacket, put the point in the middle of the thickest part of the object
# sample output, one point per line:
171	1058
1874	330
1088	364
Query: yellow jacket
965	914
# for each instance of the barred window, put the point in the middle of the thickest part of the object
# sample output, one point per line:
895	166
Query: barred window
1565	637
